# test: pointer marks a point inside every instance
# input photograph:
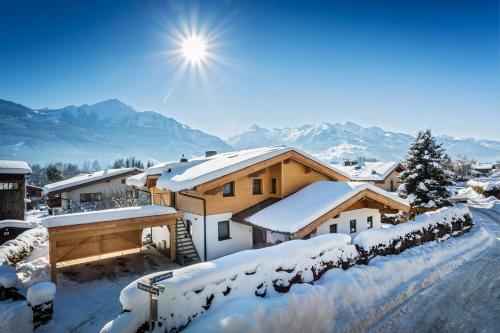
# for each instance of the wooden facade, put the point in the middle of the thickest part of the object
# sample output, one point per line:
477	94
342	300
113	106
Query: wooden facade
88	240
12	196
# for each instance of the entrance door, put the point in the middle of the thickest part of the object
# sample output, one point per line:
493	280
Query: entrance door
258	235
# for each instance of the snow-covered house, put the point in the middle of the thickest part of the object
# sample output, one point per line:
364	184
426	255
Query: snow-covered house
90	188
216	192
382	174
483	169
13	189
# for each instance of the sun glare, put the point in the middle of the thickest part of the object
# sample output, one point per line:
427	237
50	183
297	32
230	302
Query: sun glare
194	49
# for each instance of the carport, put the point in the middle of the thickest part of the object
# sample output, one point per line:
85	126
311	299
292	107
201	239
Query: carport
90	234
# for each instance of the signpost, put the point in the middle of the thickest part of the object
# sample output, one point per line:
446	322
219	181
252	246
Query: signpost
153	289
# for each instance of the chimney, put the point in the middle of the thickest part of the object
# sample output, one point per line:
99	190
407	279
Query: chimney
183	158
374	172
209	153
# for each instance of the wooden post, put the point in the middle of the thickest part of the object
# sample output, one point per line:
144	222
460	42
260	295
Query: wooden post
52	259
173	245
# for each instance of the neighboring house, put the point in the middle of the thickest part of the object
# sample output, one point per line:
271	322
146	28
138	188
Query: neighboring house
13	189
91	190
217	192
382	174
33	196
483	169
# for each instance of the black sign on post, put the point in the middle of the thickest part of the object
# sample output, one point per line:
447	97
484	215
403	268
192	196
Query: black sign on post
148	288
161	277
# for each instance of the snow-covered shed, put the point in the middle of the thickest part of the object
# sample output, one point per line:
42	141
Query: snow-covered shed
383	174
13	189
324	207
95	233
89	188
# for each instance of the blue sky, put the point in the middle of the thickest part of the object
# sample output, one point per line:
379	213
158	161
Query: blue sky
400	65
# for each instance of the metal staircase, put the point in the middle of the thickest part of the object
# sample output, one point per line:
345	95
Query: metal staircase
186	251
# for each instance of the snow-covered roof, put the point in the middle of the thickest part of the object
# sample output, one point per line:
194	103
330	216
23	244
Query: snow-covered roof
367	171
482	166
106	215
17	224
14	167
83	179
177	176
313	201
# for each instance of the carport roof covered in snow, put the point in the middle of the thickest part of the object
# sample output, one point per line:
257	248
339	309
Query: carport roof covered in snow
305	210
89	234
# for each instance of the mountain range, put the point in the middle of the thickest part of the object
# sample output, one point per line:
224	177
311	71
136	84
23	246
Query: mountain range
111	129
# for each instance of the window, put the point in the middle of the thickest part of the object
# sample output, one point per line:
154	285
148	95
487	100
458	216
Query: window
257	186
188	227
369	222
333	228
352	226
228	189
90	197
9	186
223	228
123	181
273	185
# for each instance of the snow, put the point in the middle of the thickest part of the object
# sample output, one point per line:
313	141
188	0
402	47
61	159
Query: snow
106	215
375	237
14	249
85	178
41	293
199	171
346	300
305	206
367	171
17	224
8	276
14	167
486	184
239	274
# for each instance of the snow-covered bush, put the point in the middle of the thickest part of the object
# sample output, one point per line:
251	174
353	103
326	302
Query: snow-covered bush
253	273
110	200
425	179
486	186
427	227
14	250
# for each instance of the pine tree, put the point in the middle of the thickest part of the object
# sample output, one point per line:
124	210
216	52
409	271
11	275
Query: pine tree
425	179
53	173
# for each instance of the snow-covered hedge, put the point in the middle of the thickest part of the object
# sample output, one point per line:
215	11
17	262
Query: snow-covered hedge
258	273
439	224
487	187
14	250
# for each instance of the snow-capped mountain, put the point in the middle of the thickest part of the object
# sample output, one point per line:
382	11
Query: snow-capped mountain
334	142
103	131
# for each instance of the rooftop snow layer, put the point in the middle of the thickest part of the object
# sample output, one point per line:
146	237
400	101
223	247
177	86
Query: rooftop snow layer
106	215
367	171
17	224
14	167
187	175
305	206
85	178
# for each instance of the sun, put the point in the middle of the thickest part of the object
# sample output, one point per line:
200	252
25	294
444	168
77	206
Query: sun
194	49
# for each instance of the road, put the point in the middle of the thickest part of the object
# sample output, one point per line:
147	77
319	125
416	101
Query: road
466	300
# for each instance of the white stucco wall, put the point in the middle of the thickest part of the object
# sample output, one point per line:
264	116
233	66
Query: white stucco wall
343	221
241	235
105	187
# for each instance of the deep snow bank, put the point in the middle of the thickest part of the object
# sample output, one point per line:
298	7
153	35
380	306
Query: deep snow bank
14	250
247	274
349	299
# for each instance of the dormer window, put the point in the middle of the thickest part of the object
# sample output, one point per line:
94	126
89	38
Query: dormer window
228	189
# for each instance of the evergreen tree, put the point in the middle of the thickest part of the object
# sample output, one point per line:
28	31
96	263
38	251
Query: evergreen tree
53	173
425	179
